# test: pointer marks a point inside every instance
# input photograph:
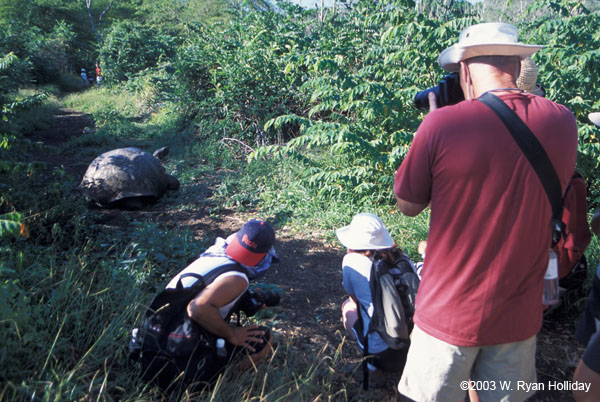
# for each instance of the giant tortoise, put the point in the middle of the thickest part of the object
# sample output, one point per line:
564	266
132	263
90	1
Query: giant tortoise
127	178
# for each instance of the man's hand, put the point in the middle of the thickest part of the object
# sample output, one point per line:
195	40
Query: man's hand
432	101
243	335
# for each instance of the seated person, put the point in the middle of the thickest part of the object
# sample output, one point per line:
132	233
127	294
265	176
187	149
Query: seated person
252	248
366	235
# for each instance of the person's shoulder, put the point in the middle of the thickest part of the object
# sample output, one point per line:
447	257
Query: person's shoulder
453	112
450	118
356	262
234	274
553	107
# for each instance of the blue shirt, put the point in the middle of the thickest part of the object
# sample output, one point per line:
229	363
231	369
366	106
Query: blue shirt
356	272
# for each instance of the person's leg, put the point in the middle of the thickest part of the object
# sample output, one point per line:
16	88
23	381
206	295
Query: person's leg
585	375
473	395
588	372
349	314
390	360
505	372
436	370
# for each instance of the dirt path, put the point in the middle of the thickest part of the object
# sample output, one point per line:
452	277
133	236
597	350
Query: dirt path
309	314
66	125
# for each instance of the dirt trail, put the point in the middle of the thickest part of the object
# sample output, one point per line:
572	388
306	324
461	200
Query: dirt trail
66	124
309	273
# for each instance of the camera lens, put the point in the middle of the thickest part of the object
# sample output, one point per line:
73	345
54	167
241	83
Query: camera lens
268	298
447	92
422	98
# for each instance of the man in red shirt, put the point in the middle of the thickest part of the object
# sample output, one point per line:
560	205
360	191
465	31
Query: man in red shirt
479	304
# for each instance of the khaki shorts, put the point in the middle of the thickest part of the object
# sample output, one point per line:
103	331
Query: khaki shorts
438	371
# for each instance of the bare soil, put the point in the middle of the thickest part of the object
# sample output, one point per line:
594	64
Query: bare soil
310	274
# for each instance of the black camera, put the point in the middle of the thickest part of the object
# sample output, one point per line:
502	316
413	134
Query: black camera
252	301
447	92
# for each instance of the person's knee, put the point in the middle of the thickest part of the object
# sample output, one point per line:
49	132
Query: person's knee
349	314
585	375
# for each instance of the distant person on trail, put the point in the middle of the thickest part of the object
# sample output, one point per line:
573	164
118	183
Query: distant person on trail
84	79
479	306
588	328
98	75
226	268
365	236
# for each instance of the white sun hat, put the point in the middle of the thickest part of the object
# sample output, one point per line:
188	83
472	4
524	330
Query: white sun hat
595	118
365	232
489	39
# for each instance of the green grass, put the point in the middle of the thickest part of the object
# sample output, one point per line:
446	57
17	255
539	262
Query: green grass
98	100
34	118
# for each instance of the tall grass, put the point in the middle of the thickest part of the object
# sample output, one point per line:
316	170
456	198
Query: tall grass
36	117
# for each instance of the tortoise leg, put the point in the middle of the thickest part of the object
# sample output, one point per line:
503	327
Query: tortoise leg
172	183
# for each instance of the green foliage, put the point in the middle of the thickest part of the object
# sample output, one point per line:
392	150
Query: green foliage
131	47
239	74
178	16
11	225
568	70
20	113
362	74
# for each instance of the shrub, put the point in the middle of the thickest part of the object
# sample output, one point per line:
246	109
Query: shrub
131	47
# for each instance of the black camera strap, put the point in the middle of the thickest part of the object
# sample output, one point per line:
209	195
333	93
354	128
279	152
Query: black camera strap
536	155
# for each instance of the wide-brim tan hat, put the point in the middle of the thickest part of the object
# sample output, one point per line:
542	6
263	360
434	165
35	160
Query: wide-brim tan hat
365	232
595	118
489	39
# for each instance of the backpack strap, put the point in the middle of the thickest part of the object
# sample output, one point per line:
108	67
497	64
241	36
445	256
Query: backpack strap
365	365
535	154
208	278
184	295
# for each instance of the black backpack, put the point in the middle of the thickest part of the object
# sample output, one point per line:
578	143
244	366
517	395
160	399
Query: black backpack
393	291
172	349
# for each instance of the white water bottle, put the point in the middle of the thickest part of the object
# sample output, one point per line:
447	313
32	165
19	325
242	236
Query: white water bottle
221	351
551	280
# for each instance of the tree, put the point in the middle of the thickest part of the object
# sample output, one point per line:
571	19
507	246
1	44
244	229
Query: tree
98	33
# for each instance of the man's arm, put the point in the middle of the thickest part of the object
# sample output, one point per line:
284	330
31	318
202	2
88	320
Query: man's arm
204	309
409	208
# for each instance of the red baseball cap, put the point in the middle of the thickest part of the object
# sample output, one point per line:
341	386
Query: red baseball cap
251	243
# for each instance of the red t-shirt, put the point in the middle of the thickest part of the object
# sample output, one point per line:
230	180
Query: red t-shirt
489	237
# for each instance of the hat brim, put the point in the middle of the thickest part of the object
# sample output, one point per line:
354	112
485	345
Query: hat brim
349	239
240	254
450	58
595	118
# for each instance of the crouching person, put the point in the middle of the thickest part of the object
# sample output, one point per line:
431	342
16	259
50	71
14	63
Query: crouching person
186	337
372	270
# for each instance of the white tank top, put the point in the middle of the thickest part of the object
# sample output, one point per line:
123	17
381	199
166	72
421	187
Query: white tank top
202	266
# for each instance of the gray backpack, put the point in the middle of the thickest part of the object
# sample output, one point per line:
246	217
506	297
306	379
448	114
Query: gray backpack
393	290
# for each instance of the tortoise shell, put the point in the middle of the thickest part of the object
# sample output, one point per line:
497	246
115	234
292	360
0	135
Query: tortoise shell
125	173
